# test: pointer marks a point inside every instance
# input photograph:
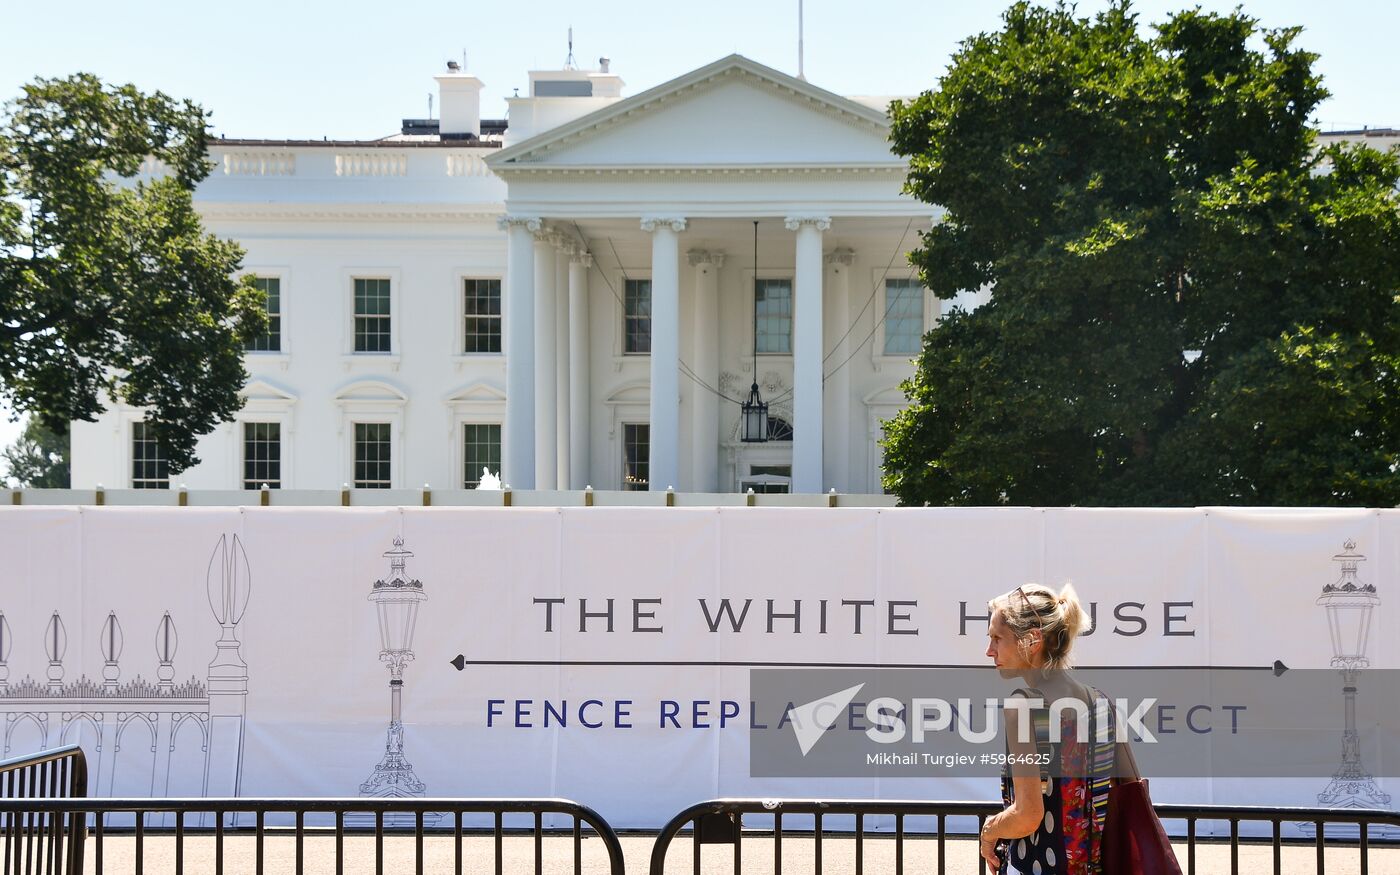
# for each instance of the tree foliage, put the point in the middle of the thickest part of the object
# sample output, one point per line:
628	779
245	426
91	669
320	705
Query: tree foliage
1190	302
39	458
109	287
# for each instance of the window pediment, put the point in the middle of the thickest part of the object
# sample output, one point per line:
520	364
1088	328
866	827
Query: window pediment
370	392
479	392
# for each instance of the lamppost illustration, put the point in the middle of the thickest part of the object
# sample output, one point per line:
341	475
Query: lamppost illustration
1349	604
396	601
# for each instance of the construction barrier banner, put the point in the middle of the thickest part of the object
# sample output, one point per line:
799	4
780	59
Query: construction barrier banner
604	654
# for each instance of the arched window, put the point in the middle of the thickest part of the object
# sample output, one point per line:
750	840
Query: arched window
779	429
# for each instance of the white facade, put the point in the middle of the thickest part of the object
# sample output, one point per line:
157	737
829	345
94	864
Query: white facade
589	190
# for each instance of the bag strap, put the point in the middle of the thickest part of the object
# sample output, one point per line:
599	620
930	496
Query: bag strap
1125	750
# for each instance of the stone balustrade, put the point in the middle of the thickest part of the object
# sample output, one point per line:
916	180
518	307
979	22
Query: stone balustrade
259	164
371	164
467	165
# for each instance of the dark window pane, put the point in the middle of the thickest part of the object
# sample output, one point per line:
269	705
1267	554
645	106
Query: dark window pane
636	456
773	315
636	327
481	306
372	455
372	319
481	448
271	286
904	317
262	455
149	467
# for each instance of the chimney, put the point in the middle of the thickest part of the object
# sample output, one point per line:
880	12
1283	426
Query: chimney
459	103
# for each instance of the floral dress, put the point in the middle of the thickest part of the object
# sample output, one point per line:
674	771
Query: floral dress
1068	839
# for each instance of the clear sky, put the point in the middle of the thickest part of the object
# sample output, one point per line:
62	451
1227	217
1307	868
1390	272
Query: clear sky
354	69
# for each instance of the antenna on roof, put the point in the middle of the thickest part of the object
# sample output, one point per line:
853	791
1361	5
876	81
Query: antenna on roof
569	63
799	42
430	106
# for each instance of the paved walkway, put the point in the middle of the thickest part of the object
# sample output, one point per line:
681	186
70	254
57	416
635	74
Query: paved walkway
478	856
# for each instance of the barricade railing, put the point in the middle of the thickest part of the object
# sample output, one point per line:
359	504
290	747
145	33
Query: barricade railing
37	838
1316	819
721	822
327	822
44	820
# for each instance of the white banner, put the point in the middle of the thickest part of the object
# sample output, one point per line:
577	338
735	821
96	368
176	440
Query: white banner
600	654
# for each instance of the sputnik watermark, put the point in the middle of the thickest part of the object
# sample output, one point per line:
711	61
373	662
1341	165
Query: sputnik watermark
1181	721
891	723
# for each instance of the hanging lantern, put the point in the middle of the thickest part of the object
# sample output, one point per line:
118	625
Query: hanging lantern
755	417
754	411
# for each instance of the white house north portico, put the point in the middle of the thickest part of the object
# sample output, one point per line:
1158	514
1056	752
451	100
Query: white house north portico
693	163
571	298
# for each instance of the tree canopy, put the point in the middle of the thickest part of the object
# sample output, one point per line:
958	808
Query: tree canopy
109	287
38	459
1191	303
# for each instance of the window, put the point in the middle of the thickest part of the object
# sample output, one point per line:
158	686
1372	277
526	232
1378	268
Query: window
481	448
768	480
270	286
636	456
372	455
904	317
481	306
637	317
372	315
149	467
773	316
262	455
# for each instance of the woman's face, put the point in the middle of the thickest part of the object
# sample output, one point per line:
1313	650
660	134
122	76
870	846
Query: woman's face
1010	656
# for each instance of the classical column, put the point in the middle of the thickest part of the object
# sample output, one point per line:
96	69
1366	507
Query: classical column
665	350
705	325
561	357
807	353
579	263
518	454
836	403
546	377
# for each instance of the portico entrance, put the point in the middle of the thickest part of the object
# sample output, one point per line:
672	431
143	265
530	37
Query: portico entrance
630	261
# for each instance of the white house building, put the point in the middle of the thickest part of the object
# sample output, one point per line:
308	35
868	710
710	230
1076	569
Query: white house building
571	299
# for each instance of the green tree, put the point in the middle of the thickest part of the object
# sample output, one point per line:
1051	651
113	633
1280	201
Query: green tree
1190	302
109	287
38	459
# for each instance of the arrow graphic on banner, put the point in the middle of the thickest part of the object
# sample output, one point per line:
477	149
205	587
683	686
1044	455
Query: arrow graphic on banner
811	720
460	662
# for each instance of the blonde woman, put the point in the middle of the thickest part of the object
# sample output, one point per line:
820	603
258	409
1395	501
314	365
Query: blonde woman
1050	825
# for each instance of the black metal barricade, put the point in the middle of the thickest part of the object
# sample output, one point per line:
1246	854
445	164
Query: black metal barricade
721	821
38	840
46	834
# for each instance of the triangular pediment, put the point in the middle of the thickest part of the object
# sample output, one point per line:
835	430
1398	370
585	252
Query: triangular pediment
478	392
734	112
265	390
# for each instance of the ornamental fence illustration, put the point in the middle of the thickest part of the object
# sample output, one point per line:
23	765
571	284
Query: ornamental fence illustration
139	723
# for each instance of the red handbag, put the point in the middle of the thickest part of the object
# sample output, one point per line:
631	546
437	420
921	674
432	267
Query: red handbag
1134	841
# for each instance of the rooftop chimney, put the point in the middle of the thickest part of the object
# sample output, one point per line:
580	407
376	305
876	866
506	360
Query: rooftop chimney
459	101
